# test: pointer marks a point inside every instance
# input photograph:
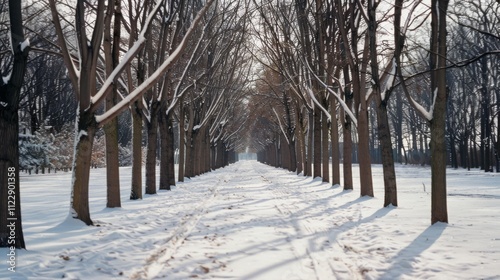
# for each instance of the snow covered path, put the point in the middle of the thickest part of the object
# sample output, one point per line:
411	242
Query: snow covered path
252	221
249	228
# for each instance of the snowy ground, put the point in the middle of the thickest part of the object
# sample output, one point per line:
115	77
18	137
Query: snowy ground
251	221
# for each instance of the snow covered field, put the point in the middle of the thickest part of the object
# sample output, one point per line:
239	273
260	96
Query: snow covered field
251	221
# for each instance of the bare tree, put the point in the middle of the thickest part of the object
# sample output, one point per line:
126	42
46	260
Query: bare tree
382	97
11	230
111	46
85	84
358	67
436	116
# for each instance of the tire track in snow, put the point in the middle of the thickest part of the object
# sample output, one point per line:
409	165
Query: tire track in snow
267	236
297	205
158	260
287	212
312	236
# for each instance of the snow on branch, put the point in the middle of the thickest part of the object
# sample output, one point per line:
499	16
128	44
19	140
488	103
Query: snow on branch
343	104
212	108
341	101
129	55
311	93
25	44
177	94
6	79
390	79
296	91
153	79
281	126
316	102
421	110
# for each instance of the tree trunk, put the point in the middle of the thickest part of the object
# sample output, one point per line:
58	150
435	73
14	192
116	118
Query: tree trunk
164	154
190	135
284	152
182	142
220	154
309	150
112	164
384	130
213	156
347	124
324	150
438	167
275	153
206	151
384	134
196	160
298	153
317	142
198	148
152	149
439	212
497	149
299	135
189	168
84	139
136	185
293	155
11	230
347	148
334	135
309	153
363	150
485	117
365	170
453	151
170	151
112	54
399	128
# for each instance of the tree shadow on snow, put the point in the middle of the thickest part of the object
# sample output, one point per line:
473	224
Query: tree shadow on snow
402	262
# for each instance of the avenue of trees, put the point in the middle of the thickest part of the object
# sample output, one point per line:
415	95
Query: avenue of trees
129	81
313	86
377	82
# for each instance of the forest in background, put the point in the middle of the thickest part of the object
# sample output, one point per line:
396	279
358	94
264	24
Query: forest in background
48	107
301	83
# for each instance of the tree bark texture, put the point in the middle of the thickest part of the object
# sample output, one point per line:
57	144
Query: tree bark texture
152	128
84	139
384	131
390	187
112	163
299	135
365	170
346	119
164	143
170	151
182	142
325	174
347	149
439	212
136	184
112	53
317	142
334	136
10	195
